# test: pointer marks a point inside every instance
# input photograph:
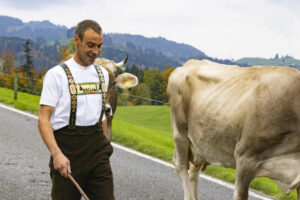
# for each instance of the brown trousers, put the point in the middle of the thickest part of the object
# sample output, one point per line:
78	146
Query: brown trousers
88	151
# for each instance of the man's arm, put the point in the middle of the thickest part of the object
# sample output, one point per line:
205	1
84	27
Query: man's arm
60	162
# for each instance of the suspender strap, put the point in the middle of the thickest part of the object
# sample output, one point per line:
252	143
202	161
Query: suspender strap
73	94
103	88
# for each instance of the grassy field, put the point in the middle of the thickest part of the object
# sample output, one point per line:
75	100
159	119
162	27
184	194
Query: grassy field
26	102
148	129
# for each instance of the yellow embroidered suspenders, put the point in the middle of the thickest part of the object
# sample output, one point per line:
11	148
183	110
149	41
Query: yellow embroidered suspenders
103	88
74	93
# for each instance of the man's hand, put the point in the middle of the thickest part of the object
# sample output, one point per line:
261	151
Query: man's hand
62	164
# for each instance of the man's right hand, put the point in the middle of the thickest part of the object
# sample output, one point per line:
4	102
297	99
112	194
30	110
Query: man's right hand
62	164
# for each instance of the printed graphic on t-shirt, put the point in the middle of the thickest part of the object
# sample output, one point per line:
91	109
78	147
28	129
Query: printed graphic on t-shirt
88	88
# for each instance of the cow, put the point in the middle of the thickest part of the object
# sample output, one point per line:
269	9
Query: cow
124	81
247	118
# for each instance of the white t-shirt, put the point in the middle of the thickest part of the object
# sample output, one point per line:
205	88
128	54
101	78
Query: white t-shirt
56	93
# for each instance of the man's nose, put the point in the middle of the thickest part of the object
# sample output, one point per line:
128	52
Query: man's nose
96	50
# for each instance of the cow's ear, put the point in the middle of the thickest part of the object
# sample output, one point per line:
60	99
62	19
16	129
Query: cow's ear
126	81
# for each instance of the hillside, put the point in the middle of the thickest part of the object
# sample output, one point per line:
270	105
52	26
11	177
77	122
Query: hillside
34	30
44	56
277	61
178	52
47	37
144	52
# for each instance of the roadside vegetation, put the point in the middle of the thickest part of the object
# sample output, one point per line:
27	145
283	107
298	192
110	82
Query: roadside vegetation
147	129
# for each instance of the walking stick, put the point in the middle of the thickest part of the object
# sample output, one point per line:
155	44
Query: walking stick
78	187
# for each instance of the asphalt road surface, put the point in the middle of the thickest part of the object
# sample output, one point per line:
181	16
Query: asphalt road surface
24	171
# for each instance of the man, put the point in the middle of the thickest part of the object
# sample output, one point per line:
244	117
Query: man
72	99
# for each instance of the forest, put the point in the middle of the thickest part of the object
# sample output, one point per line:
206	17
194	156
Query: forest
151	88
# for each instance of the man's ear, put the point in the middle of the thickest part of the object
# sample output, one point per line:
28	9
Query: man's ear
76	39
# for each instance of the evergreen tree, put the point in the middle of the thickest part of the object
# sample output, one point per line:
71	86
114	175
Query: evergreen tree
28	66
134	69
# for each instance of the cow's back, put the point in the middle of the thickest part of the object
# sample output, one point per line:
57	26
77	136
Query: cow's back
197	85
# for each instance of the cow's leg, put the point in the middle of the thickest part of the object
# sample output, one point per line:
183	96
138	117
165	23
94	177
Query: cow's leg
181	159
298	193
193	178
244	175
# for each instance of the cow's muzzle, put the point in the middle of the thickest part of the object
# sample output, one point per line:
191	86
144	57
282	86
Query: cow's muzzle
108	111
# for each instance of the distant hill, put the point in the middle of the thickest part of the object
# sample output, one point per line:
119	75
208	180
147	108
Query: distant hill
147	52
276	61
143	52
176	51
34	30
47	55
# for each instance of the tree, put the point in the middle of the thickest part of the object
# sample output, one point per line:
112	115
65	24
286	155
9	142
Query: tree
134	69
40	40
72	46
153	79
8	60
143	91
66	51
30	83
1	64
28	66
165	78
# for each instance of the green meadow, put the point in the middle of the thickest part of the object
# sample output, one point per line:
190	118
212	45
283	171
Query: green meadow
147	129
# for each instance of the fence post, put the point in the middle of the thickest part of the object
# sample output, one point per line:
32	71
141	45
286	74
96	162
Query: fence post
16	86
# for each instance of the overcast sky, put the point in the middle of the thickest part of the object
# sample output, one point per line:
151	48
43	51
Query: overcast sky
229	29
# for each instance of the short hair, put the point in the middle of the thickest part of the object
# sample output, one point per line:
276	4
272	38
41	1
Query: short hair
85	25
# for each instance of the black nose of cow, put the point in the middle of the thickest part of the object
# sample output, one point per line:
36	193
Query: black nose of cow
108	111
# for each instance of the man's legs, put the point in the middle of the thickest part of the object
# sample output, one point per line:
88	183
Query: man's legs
100	183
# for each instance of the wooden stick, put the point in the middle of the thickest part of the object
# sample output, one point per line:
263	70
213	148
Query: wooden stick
77	186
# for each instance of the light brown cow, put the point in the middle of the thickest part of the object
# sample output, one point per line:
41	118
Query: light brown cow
124	81
242	118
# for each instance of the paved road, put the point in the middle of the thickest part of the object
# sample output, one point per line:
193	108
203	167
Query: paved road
24	172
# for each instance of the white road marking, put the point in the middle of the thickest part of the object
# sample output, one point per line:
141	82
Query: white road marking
209	178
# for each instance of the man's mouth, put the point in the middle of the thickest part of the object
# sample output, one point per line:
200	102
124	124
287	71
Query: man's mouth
92	58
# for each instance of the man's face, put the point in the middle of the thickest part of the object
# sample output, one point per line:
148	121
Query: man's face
88	48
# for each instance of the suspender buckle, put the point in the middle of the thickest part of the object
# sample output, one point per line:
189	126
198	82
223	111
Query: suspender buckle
71	126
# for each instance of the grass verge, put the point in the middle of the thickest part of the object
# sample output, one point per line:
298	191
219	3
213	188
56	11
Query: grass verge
25	101
148	129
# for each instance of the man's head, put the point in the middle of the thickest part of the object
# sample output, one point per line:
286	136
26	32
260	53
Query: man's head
88	39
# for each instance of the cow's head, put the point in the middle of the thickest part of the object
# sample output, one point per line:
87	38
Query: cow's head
124	81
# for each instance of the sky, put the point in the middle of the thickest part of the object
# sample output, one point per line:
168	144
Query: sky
224	29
